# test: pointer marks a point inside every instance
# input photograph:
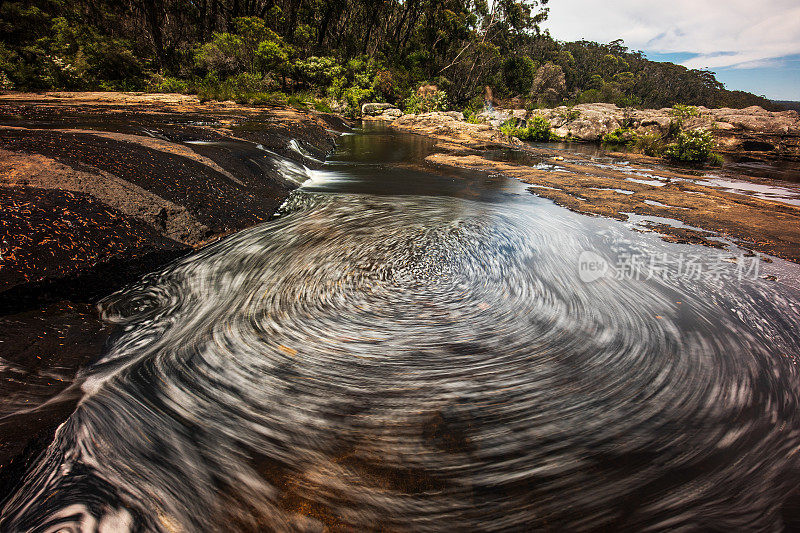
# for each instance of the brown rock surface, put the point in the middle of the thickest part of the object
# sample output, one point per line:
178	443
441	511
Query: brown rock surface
111	178
581	185
446	127
753	130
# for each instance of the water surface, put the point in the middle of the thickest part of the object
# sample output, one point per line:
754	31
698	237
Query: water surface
403	349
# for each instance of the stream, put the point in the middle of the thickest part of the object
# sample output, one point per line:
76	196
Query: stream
409	349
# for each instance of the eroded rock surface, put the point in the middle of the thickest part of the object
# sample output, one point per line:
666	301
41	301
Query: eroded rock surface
90	181
755	131
447	126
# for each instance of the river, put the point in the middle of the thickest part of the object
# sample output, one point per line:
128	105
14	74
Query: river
410	350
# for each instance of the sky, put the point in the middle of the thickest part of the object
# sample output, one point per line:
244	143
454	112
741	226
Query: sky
751	45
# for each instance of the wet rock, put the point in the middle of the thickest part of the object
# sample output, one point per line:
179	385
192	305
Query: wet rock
581	185
87	210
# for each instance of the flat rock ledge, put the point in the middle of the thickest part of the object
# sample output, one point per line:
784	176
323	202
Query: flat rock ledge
99	188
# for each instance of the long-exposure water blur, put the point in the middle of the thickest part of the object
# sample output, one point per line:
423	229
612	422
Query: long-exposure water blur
403	349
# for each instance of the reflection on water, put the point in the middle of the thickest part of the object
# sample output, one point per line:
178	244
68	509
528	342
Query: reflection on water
427	361
734	164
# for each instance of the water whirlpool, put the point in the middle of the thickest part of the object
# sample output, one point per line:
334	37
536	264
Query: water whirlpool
426	363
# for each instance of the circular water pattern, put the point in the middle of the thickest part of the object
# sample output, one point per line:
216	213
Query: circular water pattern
426	364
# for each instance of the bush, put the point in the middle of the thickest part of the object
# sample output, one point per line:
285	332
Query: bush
243	88
417	104
681	111
271	56
518	74
308	101
319	71
537	130
222	55
473	107
5	83
569	115
715	159
694	146
354	97
167	84
251	48
651	144
620	136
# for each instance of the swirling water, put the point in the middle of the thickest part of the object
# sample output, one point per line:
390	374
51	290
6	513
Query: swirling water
412	351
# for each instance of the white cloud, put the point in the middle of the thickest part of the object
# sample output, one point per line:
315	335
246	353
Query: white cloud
730	33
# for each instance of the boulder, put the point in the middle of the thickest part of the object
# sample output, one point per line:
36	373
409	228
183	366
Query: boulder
585	122
450	128
389	113
760	133
496	117
375	109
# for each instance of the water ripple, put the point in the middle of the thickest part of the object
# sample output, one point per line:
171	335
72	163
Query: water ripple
420	364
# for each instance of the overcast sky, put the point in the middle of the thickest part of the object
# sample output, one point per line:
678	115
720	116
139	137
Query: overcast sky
752	45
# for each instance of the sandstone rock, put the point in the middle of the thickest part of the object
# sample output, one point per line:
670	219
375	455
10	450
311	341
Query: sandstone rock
755	130
496	117
375	109
387	115
392	113
445	125
585	122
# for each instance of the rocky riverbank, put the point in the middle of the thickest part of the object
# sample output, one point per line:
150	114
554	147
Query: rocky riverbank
752	132
99	188
621	185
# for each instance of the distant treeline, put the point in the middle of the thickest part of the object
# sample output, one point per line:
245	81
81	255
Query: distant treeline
348	51
789	104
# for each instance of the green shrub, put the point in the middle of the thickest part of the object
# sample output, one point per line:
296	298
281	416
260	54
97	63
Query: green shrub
715	159
620	136
354	97
251	48
167	84
538	129
272	56
684	111
651	144
223	55
417	104
306	100
473	107
569	115
694	146
5	82
363	80
243	88
319	71
680	113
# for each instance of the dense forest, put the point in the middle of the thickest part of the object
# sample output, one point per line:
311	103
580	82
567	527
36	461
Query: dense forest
334	51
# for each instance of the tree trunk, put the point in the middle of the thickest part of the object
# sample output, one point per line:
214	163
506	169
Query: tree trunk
152	16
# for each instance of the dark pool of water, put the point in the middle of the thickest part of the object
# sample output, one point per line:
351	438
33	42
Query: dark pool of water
403	349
